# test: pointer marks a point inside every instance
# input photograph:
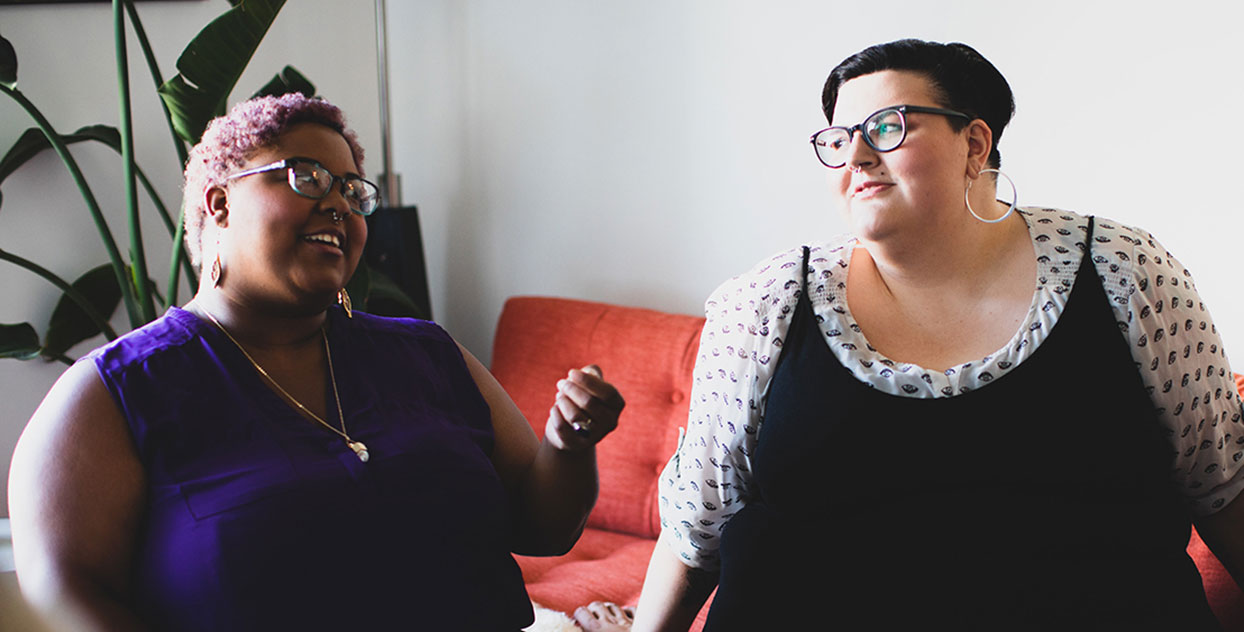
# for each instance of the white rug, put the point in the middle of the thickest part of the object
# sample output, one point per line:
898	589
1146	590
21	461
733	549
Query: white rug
551	621
6	546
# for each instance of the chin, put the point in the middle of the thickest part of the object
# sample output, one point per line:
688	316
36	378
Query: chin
320	294
324	295
870	224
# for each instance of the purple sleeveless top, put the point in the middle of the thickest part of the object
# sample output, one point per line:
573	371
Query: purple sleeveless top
260	519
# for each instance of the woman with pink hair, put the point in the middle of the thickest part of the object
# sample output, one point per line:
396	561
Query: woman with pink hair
267	458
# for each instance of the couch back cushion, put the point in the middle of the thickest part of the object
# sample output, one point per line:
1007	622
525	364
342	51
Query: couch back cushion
648	355
1224	595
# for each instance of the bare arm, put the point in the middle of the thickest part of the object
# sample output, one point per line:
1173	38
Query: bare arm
1223	533
673	592
552	479
76	493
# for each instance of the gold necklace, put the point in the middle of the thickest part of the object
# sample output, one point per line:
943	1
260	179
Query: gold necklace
360	449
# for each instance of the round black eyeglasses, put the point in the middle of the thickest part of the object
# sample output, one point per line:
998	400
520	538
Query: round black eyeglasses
310	179
883	130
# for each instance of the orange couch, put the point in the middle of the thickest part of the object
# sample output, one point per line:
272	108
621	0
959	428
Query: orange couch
649	356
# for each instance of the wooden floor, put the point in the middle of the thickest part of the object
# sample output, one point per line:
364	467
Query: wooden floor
15	615
6	546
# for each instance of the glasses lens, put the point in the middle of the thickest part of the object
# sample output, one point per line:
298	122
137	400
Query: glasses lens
362	195
309	179
885	129
832	146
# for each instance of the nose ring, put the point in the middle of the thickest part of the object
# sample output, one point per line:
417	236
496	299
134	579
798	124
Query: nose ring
337	218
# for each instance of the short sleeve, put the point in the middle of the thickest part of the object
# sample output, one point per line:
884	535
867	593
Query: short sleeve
1183	365
709	477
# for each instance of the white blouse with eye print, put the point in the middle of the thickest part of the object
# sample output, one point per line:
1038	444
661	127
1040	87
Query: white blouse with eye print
1173	341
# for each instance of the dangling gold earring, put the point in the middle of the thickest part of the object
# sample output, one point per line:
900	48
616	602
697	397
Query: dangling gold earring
217	210
217	268
214	274
343	298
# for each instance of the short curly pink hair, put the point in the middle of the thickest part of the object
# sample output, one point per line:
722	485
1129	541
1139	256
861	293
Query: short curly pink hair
231	139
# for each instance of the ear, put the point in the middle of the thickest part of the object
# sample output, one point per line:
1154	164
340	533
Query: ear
216	201
980	143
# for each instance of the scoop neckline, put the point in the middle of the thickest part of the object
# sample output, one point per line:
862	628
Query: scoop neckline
911	367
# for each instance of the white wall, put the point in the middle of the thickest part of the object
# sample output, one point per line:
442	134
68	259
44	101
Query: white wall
66	65
641	152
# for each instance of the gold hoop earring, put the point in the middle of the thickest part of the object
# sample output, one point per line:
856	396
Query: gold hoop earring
1009	210
343	297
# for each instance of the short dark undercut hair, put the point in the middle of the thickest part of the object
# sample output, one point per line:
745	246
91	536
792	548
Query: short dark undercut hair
962	79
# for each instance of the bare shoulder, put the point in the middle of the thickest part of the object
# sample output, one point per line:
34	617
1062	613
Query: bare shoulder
515	442
76	488
78	415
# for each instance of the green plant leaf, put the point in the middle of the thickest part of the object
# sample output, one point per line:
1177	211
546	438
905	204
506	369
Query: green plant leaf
28	145
19	341
70	324
359	285
105	134
211	64
287	81
386	298
33	141
8	63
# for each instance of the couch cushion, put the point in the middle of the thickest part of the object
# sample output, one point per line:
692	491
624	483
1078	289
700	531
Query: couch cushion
603	566
1224	596
647	355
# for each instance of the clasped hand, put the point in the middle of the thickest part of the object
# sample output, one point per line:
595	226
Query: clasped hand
586	409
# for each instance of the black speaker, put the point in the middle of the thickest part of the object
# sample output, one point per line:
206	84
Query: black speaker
395	251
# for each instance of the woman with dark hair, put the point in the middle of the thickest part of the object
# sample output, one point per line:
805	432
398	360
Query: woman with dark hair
267	458
967	415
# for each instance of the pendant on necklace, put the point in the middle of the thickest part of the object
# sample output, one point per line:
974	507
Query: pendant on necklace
359	449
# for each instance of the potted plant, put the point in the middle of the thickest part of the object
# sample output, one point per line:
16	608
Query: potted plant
208	69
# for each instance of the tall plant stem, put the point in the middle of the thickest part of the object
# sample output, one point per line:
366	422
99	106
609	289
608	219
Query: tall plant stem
178	144
175	231
65	287
138	257
71	164
63	359
179	237
179	247
178	255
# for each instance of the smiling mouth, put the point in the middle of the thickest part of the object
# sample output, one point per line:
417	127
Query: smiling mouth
869	187
324	238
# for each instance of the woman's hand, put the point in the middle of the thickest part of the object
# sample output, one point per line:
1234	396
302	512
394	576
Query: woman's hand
585	410
553	482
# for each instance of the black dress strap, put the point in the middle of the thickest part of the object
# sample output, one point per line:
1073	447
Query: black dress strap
807	253
1088	237
802	320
